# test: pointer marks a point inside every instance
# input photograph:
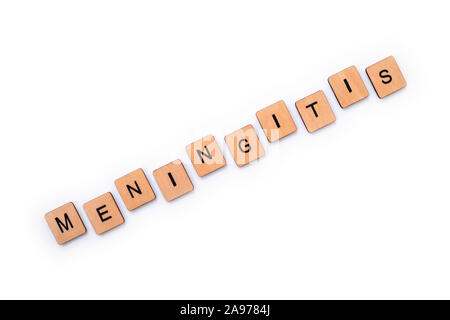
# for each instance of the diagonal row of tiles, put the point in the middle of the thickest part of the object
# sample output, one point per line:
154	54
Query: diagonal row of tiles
206	156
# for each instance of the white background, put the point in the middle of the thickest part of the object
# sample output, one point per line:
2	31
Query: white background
91	90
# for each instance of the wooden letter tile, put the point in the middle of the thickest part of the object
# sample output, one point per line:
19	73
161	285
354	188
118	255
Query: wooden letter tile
348	86
244	145
65	223
315	111
135	189
386	77
103	213
205	155
276	121
173	180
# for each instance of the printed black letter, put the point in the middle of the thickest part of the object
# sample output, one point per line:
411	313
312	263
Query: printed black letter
312	107
137	190
348	86
172	179
66	225
101	214
276	121
201	153
383	74
247	146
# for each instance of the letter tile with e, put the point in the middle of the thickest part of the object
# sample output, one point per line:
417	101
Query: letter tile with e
103	213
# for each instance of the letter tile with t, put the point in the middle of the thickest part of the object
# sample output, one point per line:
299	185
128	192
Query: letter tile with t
315	111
